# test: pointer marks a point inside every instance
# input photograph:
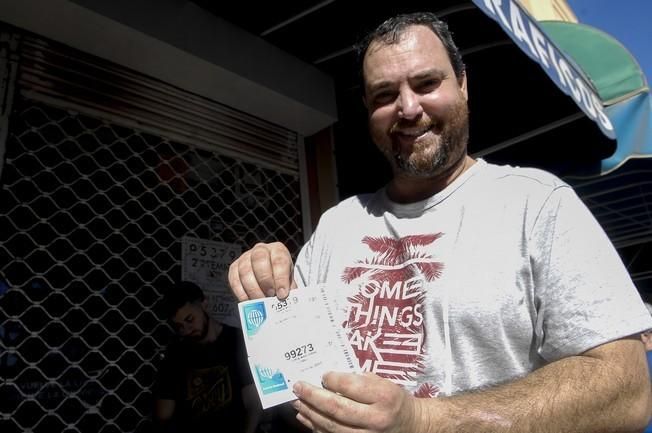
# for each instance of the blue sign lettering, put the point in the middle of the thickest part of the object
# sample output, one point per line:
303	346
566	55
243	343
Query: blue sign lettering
525	31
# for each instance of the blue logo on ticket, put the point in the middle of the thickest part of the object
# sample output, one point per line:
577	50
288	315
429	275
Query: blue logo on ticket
254	316
270	379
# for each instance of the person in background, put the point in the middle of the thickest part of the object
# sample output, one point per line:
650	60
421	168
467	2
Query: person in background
477	297
204	383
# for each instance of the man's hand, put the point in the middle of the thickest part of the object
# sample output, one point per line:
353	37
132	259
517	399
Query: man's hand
357	402
264	270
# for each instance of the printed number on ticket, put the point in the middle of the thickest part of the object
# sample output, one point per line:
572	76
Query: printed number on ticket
291	340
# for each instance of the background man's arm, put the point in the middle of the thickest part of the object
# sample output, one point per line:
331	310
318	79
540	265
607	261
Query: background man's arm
606	389
163	412
252	406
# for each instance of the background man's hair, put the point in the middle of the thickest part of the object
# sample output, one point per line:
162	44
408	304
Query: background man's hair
390	32
179	295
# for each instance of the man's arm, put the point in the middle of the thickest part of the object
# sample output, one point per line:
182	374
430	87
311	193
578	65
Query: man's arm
606	389
163	412
165	403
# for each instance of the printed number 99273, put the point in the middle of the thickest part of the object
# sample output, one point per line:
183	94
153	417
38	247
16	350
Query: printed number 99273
299	351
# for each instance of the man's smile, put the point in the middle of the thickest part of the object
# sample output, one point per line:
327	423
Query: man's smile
415	131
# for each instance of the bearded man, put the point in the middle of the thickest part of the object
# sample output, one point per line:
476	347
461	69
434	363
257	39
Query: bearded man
204	383
477	297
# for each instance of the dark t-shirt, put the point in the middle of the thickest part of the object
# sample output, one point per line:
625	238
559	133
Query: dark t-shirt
206	382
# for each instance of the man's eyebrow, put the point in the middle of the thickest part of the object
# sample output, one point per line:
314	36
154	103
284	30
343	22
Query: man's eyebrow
429	73
380	85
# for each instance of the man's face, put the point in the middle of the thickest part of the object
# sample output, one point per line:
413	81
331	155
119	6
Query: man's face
418	115
191	322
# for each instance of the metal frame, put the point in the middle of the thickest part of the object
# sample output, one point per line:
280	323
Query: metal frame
8	71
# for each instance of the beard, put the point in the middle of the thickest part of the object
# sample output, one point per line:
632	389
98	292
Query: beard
204	330
435	154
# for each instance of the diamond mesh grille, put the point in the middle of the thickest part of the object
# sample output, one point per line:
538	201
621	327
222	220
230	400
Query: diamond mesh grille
91	217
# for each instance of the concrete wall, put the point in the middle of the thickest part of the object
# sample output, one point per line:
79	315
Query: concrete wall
181	44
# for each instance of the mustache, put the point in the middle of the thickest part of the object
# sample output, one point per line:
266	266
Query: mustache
419	123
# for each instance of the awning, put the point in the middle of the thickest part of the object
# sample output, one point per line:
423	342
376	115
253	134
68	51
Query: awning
586	63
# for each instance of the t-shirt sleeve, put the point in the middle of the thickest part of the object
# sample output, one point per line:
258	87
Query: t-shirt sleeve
164	386
583	292
311	265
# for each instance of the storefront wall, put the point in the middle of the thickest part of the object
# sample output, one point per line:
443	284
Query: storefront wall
106	171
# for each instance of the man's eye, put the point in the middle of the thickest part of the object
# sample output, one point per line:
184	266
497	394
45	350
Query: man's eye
384	98
428	85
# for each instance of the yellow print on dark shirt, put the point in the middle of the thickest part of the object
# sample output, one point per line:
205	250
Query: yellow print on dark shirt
208	390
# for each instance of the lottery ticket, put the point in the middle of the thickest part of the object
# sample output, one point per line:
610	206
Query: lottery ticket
291	340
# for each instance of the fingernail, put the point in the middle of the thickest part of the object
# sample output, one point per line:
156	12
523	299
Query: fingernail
270	293
296	405
296	389
282	293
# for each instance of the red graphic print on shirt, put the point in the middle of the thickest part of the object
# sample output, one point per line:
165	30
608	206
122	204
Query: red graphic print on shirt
385	319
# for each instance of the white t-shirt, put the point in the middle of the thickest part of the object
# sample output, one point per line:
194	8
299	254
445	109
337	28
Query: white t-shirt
500	273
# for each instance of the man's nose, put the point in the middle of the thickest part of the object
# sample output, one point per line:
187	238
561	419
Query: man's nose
185	329
409	105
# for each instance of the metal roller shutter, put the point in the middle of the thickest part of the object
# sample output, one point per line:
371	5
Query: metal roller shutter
106	170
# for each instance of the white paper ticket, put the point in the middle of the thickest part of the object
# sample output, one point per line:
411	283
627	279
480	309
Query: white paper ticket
291	340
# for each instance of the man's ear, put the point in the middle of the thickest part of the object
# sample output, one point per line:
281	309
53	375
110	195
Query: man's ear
462	83
646	337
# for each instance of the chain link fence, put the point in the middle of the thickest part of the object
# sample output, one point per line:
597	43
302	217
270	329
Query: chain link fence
91	218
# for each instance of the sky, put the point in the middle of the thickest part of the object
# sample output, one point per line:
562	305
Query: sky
629	21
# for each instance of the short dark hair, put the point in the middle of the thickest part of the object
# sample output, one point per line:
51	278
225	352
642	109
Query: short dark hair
390	31
180	294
